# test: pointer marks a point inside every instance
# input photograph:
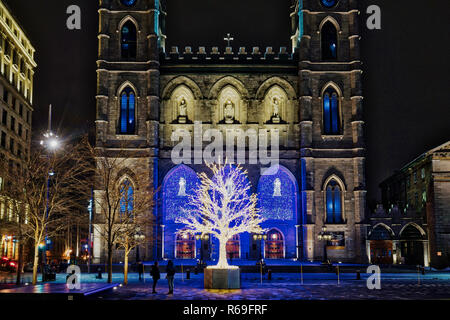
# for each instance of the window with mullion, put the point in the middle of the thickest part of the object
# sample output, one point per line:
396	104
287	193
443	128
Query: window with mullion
329	41
331	114
127	112
126	198
128	41
333	203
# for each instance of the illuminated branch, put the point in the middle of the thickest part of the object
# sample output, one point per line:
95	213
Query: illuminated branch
223	207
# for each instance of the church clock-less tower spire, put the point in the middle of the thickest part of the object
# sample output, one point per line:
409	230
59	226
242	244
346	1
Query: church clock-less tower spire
326	33
131	36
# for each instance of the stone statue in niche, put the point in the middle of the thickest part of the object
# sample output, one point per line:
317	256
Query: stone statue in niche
276	110
277	188
182	187
228	111
182	110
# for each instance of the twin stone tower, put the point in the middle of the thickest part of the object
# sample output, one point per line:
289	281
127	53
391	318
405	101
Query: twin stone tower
309	95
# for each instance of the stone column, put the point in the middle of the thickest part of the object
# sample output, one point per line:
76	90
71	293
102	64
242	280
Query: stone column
368	251
426	254
162	241
395	251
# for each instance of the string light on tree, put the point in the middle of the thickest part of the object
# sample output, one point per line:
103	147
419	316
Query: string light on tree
223	207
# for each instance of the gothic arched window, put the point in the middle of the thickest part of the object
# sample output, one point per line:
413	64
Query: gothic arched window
334	202
127	111
178	185
329	41
129	40
331	118
277	194
126	197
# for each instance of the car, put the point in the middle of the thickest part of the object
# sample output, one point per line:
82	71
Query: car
8	265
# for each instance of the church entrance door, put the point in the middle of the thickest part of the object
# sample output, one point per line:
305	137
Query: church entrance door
233	246
274	247
185	247
381	252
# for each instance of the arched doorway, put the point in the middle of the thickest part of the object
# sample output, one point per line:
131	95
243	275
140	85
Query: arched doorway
411	246
185	247
233	248
278	203
179	183
274	248
381	246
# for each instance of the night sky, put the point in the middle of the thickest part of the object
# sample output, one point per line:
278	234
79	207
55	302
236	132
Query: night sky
406	83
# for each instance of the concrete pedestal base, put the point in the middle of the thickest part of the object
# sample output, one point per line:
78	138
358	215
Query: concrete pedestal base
222	278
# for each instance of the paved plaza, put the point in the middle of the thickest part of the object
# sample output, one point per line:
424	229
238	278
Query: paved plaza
316	286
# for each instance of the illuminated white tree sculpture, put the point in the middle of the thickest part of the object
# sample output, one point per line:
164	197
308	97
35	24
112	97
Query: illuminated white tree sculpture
223	207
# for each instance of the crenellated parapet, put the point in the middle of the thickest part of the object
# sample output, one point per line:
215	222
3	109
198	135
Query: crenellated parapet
393	211
229	55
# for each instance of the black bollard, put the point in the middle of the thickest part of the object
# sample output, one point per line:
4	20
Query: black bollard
188	274
269	274
196	270
423	270
358	275
99	274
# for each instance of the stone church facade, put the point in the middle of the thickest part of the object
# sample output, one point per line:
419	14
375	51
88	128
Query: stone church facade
308	95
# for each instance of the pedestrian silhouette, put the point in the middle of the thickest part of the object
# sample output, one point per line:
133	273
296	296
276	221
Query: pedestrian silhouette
170	275
140	269
99	273
154	272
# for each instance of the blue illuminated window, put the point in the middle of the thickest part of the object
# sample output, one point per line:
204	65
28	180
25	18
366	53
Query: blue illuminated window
334	202
331	113
129	40
329	41
179	184
329	3
128	3
277	195
126	197
127	111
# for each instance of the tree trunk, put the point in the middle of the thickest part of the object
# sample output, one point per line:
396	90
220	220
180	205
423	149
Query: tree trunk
19	263
125	269
36	262
110	259
223	263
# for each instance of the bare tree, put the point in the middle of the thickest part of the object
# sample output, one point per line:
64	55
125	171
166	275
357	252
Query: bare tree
133	233
44	191
14	218
223	207
123	200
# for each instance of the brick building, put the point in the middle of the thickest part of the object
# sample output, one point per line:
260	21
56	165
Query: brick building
413	224
308	95
17	67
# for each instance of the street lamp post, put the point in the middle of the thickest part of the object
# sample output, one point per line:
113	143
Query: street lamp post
260	238
202	238
90	209
51	143
325	236
138	237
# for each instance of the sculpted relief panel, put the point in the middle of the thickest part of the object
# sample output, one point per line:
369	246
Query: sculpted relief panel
182	105
275	106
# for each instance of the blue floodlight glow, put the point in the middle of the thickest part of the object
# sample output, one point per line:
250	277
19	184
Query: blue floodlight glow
278	204
175	196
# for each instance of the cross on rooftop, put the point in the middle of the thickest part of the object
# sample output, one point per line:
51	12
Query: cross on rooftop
228	39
